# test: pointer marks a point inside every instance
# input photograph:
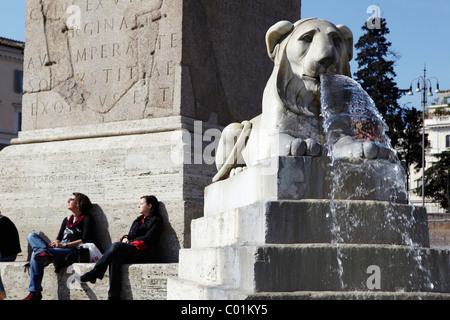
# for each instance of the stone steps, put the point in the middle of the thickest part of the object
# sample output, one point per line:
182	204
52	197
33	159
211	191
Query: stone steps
278	235
318	267
200	292
139	282
349	295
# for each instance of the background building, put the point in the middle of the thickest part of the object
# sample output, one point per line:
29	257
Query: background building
11	75
437	126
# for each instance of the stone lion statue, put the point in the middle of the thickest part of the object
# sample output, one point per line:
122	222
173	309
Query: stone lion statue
290	123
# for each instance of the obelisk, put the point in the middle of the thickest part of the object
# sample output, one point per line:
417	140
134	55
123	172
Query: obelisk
117	92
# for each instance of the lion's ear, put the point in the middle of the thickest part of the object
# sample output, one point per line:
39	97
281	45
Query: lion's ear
275	35
348	39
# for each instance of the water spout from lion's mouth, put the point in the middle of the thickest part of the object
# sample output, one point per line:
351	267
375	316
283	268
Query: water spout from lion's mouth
308	77
312	84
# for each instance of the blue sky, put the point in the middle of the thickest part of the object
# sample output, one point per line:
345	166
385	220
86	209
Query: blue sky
420	32
12	19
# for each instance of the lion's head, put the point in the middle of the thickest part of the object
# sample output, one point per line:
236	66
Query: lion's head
301	53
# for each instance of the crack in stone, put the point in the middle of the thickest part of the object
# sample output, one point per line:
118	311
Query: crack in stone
49	62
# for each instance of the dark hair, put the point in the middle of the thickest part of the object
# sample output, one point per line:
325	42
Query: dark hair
83	202
154	202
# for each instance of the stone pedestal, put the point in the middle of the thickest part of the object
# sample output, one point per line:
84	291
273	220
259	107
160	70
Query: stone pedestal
113	94
266	242
113	170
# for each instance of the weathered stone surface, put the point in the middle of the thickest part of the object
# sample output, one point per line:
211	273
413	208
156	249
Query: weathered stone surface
90	61
36	180
312	221
200	292
139	282
350	295
318	267
96	61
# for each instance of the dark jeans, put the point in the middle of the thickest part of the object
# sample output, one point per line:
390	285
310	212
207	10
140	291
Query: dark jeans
118	254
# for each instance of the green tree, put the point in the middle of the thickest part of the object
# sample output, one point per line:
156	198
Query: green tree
437	180
409	146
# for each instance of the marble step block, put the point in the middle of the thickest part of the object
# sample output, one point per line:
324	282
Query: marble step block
312	221
189	290
318	267
300	178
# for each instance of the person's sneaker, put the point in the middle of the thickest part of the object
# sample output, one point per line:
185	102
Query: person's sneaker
33	296
43	257
2	295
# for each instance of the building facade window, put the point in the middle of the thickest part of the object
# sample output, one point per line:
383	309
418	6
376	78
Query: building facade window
18	81
18	119
447	141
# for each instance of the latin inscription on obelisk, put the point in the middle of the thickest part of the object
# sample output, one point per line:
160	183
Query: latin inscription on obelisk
96	61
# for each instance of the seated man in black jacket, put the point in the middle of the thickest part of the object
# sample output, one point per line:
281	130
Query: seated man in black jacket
140	245
9	245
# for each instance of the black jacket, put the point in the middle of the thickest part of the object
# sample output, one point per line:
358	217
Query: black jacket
84	231
149	232
9	238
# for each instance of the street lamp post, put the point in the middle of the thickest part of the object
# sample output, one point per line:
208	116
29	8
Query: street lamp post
426	84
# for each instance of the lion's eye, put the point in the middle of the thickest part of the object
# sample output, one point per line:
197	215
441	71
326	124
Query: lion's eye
337	40
307	38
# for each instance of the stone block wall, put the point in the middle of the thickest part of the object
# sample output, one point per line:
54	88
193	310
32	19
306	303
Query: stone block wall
139	282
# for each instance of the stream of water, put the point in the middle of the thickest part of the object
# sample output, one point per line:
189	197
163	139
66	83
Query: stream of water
349	111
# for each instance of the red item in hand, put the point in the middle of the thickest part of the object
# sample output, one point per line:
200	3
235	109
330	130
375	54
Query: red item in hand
139	244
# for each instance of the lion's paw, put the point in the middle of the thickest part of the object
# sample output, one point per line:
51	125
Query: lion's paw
348	147
375	151
308	147
236	171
